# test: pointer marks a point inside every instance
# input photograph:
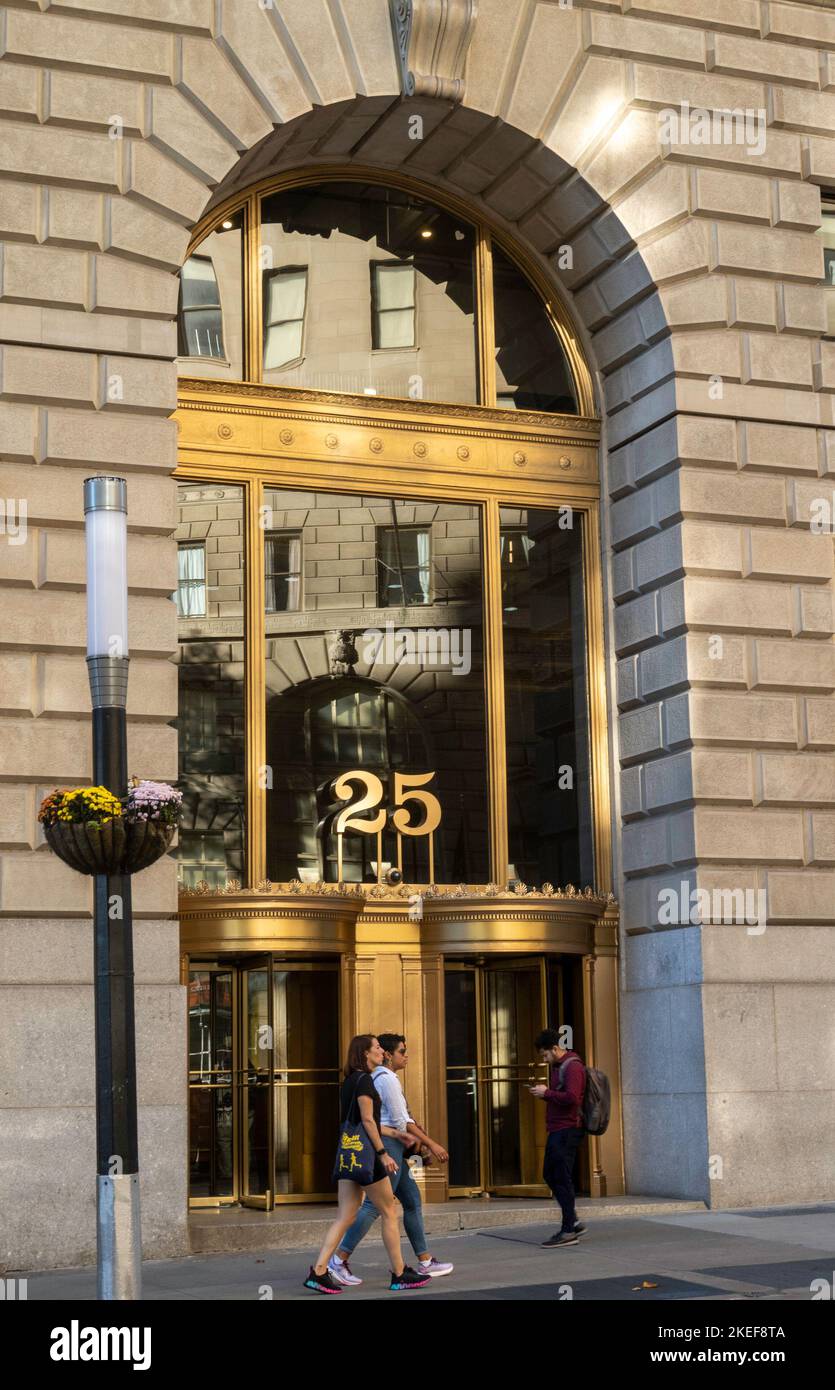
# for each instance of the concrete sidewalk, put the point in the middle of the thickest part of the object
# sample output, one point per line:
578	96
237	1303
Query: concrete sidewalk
303	1227
775	1253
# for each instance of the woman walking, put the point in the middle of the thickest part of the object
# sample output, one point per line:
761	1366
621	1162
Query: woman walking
360	1108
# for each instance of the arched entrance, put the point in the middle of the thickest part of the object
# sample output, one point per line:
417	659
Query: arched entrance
391	641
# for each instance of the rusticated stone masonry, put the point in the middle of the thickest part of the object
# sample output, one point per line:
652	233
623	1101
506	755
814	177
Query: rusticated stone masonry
695	282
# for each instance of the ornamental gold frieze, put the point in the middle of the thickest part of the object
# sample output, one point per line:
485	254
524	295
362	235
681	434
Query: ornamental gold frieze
331	916
264	399
383	446
360	891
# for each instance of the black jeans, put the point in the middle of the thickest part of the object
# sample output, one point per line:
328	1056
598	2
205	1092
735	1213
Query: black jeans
558	1168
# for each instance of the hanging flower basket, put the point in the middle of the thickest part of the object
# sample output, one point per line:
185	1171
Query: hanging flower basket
95	833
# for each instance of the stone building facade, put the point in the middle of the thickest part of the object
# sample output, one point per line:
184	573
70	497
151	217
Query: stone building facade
695	286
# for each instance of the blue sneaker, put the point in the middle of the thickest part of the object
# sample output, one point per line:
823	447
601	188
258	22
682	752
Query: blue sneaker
321	1283
409	1279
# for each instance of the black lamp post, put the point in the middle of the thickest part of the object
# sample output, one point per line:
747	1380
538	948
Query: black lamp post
117	1152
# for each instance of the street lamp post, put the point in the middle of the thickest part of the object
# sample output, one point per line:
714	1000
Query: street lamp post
117	1151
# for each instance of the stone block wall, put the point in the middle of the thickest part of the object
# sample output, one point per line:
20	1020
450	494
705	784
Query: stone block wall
696	286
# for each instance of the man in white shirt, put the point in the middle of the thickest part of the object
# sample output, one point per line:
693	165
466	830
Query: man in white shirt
400	1134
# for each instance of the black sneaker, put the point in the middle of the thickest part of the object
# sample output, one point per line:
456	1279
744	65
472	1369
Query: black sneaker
321	1283
409	1279
579	1228
561	1238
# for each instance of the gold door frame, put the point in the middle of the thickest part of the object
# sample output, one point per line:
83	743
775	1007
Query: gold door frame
261	1201
530	964
215	967
237	966
280	959
485	1070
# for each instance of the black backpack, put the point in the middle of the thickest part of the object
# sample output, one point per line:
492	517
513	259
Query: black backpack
597	1098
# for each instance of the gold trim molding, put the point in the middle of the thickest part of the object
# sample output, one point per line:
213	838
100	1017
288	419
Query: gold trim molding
451	918
360	893
286	402
432	39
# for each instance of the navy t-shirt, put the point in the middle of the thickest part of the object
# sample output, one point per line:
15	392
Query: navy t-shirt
352	1088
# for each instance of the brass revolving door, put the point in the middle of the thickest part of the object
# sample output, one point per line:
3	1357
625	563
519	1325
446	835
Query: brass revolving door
264	1052
493	1012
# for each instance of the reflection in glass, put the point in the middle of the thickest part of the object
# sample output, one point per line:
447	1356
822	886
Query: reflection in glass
549	810
354	682
210	1090
404	565
258	1060
532	372
307	1076
210	659
513	1019
462	1076
191	579
282	571
285	296
394	305
372	288
210	325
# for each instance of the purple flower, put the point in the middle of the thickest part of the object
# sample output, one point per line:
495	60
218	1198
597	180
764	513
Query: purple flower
154	801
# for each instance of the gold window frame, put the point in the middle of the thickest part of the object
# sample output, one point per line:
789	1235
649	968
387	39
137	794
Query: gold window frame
257	435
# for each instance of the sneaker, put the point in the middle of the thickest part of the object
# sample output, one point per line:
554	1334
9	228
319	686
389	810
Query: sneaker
321	1283
436	1269
341	1270
561	1238
409	1279
580	1229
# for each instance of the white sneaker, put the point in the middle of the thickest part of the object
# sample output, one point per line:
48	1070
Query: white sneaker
341	1270
434	1268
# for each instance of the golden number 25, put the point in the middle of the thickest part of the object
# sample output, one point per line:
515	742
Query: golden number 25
406	786
349	819
404	791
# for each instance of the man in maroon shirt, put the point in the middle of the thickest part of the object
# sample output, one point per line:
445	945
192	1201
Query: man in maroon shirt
564	1123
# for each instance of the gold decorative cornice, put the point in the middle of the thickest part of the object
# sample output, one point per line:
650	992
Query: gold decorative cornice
263	400
332	917
357	894
432	38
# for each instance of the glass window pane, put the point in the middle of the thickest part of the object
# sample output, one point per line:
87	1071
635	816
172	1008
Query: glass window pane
284	344
199	282
395	286
202	333
396	328
210	661
532	371
287	291
340	231
210	338
357	684
282	579
404	565
192	561
546	702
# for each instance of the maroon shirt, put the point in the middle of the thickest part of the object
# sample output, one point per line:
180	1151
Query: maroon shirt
562	1107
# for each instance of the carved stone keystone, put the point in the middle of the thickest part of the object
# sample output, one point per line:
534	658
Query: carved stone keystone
432	38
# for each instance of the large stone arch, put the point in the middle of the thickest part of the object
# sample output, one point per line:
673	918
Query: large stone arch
125	119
